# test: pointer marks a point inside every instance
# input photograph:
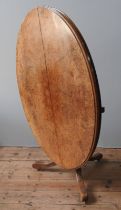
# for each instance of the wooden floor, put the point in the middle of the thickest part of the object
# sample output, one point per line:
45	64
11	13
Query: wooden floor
24	188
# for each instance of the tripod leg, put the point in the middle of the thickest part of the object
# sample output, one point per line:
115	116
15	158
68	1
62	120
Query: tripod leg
83	189
40	166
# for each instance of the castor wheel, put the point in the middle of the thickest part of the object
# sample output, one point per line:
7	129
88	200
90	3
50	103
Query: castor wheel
97	157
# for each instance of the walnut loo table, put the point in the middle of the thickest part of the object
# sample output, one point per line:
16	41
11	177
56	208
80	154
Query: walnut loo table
59	90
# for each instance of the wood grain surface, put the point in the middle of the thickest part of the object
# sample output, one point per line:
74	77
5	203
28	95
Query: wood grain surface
23	188
58	87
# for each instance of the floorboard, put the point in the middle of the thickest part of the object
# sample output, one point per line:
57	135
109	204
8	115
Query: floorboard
22	187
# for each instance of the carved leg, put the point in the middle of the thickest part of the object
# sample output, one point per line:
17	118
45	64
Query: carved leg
40	166
83	189
96	156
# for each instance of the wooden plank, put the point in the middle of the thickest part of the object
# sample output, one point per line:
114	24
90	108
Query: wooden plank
59	185
59	198
110	154
23	169
39	197
37	153
22	153
40	185
30	206
102	170
105	197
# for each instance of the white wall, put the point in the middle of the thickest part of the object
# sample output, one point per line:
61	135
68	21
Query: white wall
99	22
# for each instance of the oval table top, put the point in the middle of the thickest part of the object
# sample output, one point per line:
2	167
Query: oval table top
58	87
